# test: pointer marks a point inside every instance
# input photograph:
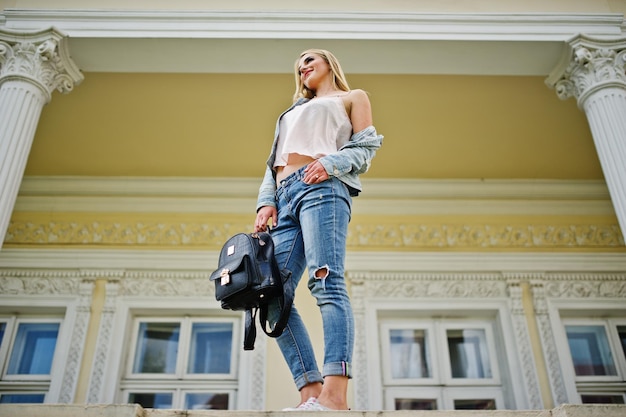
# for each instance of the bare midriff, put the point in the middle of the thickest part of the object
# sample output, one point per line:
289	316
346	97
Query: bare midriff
294	163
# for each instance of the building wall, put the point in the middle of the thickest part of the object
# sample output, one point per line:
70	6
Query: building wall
498	213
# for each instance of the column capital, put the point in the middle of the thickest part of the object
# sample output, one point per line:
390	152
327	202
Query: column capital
587	65
41	58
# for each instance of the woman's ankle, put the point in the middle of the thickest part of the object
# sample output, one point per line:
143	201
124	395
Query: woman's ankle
311	390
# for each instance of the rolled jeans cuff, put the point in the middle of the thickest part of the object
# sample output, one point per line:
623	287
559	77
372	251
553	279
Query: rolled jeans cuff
337	369
308	378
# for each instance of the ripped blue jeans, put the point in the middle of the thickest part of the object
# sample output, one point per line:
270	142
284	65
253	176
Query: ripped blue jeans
311	234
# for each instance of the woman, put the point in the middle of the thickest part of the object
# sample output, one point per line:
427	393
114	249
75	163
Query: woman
321	145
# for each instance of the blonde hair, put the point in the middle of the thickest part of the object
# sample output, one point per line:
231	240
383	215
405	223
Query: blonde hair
339	79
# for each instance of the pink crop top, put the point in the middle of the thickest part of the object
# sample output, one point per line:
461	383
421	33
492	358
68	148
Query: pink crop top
316	128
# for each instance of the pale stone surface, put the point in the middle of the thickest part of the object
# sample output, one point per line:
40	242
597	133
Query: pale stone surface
71	410
133	410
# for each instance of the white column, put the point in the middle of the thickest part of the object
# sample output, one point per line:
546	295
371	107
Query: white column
32	66
593	71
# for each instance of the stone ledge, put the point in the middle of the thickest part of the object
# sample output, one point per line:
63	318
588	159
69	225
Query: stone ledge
134	410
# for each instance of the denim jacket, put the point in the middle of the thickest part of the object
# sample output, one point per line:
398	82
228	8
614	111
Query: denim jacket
353	159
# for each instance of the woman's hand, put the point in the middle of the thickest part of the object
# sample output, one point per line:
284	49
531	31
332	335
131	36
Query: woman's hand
315	173
263	216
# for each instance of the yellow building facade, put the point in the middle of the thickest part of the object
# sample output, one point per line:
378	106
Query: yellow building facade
486	259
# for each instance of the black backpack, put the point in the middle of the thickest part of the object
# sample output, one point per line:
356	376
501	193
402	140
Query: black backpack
248	278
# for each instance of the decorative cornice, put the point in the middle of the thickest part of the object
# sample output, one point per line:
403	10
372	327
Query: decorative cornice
406	236
403	41
314	24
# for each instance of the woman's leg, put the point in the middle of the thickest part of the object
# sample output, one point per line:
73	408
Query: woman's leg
294	343
324	215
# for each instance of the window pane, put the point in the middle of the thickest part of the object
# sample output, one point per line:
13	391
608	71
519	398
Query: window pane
469	356
409	353
206	401
602	399
590	350
33	349
487	404
151	400
211	348
22	398
3	326
415	404
621	330
157	348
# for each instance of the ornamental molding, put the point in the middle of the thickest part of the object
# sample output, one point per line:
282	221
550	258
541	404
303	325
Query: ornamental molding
145	233
289	24
585	286
40	58
587	65
48	283
163	284
430	285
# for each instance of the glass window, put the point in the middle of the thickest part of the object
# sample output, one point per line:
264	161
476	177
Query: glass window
439	364
602	398
409	354
590	349
621	331
415	404
182	363
475	404
31	398
210	348
151	399
469	355
157	348
3	326
206	401
33	349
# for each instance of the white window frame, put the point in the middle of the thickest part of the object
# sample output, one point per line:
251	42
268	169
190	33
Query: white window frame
182	359
438	351
178	394
566	310
445	396
127	308
421	393
495	311
55	307
469	393
16	322
611	341
428	326
487	327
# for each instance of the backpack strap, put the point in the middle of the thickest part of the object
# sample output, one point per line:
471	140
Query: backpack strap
285	302
250	329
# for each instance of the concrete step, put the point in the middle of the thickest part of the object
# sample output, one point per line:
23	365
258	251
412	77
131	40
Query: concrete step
133	410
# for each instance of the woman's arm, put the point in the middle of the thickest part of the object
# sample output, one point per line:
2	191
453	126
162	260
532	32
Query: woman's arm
360	110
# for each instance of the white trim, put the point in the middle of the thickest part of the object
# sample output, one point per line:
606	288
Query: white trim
63	186
204	260
256	24
238	196
195	41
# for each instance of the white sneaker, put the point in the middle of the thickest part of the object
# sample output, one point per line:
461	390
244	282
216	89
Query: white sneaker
309	405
